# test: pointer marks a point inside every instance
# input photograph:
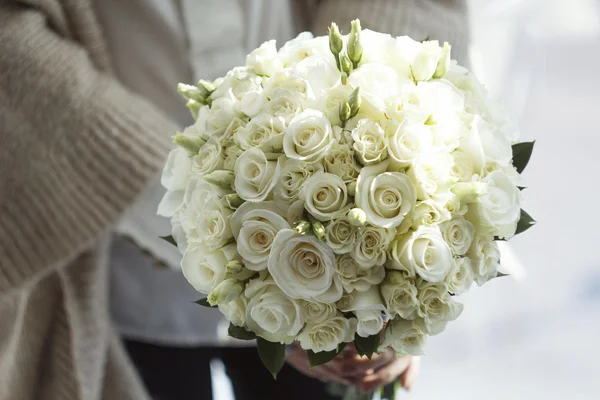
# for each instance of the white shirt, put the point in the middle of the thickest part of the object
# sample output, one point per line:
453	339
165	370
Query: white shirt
156	44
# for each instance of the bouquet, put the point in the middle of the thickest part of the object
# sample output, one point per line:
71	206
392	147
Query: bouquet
344	189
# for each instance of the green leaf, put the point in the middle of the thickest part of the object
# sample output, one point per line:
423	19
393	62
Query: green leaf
522	154
204	303
366	346
501	274
524	223
241	333
169	238
272	355
323	357
521	188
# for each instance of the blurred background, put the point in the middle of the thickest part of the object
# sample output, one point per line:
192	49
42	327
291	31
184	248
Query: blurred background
535	335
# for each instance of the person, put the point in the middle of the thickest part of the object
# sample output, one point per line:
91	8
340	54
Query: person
84	132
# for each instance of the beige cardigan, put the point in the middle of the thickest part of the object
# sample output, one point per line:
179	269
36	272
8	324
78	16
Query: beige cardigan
75	149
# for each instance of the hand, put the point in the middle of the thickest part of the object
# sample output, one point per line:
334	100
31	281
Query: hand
405	368
330	372
351	369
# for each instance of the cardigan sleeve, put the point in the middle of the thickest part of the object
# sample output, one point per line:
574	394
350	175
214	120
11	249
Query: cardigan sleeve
443	20
76	148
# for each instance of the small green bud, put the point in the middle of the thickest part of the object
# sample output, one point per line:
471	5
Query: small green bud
190	143
344	78
208	86
234	200
221	178
233	267
302	227
335	39
225	292
355	102
443	62
318	229
346	64
194	106
355	49
191	92
351	187
345	111
357	217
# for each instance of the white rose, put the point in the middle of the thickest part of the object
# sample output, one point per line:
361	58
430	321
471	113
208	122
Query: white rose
407	141
302	46
371	245
287	80
461	276
291	179
340	235
325	196
400	295
329	101
377	82
285	104
309	136
264	60
304	268
204	268
485	259
262	131
235	311
270	313
340	161
254	227
405	337
386	197
205	216
354	277
327	335
423	252
430	173
253	101
459	234
170	203
425	213
499	209
424	63
222	111
320	72
370	142
496	146
230	82
455	206
368	308
209	159
436	306
255	175
463	168
178	233
315	312
176	172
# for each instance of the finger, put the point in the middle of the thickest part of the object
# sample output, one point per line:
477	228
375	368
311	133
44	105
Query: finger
358	365
410	375
385	375
326	374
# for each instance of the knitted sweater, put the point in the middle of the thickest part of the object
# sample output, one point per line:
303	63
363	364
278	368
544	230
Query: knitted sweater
76	147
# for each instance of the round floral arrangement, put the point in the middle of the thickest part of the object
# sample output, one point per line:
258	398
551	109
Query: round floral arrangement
343	189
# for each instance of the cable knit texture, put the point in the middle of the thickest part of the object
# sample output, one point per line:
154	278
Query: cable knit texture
76	148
